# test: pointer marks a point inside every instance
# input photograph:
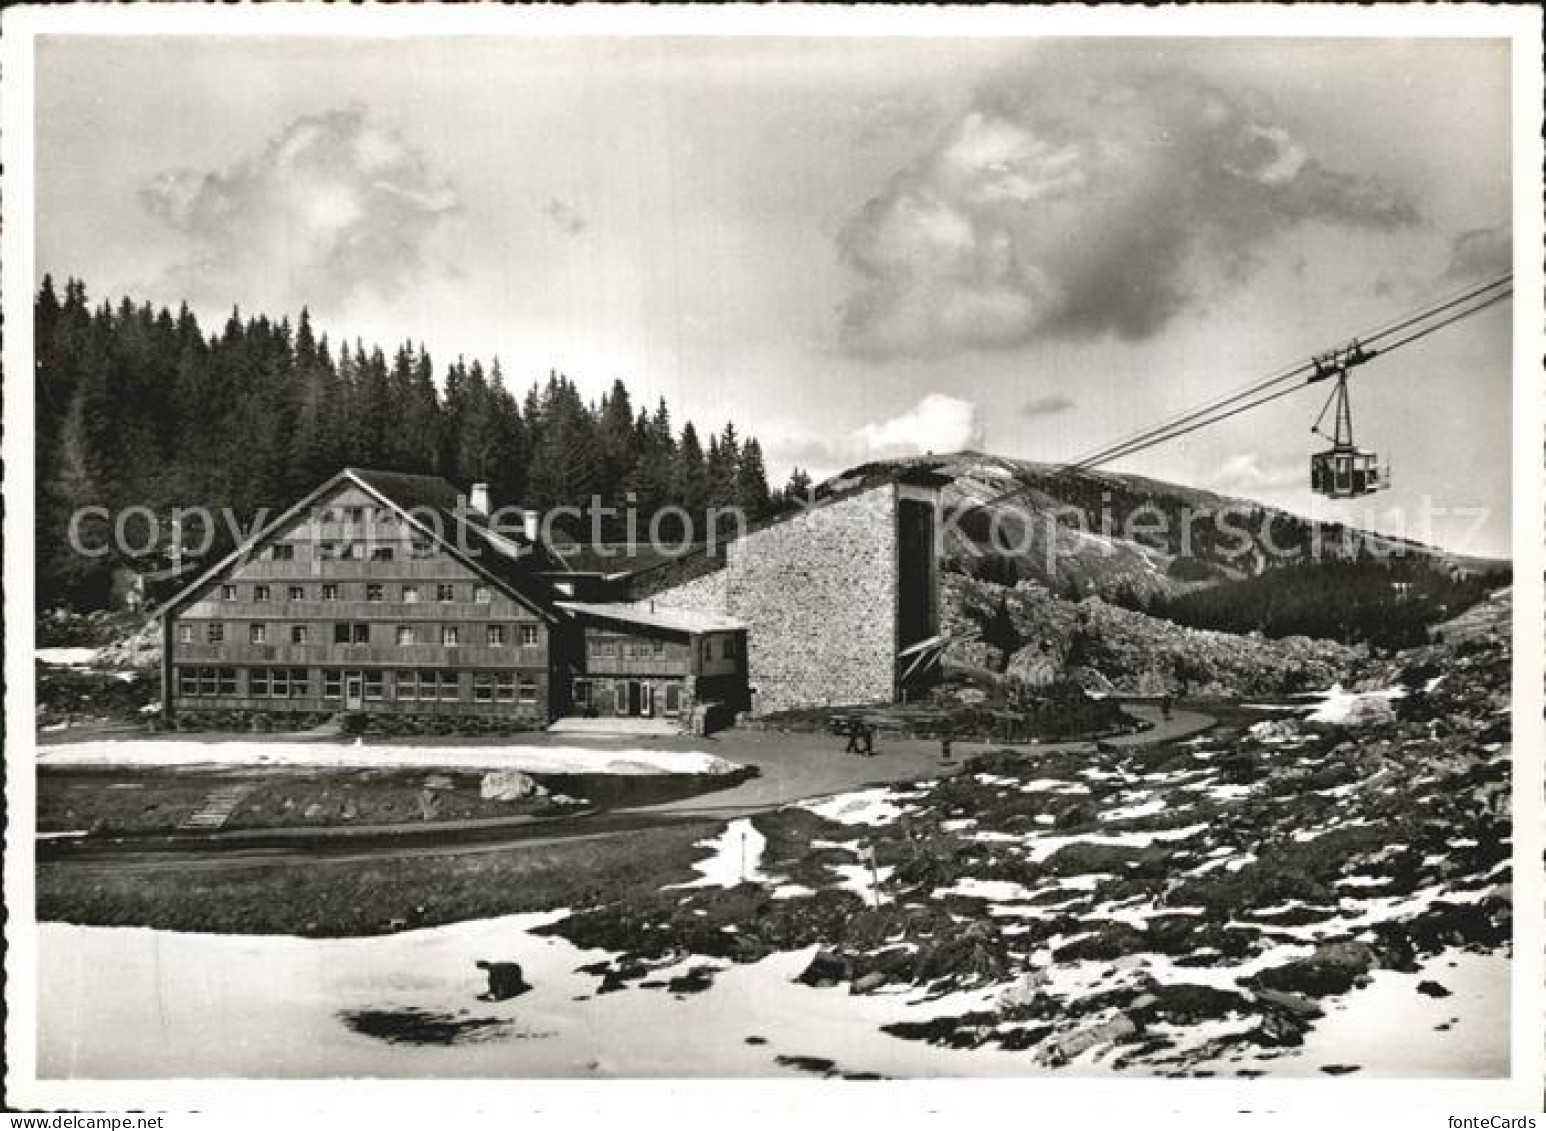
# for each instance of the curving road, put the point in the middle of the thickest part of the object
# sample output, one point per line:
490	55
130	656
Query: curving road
791	767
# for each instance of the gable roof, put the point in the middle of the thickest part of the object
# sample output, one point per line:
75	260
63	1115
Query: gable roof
689	621
509	560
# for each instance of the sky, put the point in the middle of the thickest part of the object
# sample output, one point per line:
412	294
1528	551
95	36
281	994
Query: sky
851	247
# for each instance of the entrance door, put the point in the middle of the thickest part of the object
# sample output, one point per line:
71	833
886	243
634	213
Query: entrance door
354	691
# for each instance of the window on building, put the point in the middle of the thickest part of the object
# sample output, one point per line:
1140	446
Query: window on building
330	592
450	635
226	679
429	685
606	648
728	650
215	633
281	552
657	647
406	634
673	698
279	683
257	683
228	592
187	682
296	593
582	693
350	552
340	634
375	592
505	687
300	683
327	551
526	689
450	687
257	634
375	686
261	593
422	548
481	594
185	634
405	685
354	514
528	636
332	684
496	636
410	594
483	687
359	633
298	634
445	592
381	554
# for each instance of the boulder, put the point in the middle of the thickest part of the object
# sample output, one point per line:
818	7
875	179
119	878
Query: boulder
1334	968
826	969
1275	730
505	980
509	785
1061	1049
1368	710
1022	992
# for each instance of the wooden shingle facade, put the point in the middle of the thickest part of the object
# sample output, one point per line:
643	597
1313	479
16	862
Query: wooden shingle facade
383	593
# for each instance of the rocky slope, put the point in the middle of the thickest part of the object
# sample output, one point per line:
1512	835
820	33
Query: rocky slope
1084	533
1106	647
1183	909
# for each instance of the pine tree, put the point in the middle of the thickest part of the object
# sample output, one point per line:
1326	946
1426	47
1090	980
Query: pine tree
751	481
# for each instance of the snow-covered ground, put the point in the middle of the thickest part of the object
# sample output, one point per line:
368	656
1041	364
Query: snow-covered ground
67	657
132	1003
862	807
1338	705
1388	1028
136	1003
737	858
150	752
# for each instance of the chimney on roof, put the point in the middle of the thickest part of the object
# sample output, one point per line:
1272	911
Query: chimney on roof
477	498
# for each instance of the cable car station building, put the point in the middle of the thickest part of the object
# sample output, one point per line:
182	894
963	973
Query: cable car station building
383	593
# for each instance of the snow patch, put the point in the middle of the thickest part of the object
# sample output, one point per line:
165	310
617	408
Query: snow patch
737	858
358	755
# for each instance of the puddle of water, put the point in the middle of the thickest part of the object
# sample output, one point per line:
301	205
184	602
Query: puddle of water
423	1027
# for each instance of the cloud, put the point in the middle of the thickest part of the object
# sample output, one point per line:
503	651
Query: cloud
1481	253
1245	473
565	218
1081	201
1052	404
937	423
332	207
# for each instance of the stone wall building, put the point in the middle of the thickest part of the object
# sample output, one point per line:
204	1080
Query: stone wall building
831	595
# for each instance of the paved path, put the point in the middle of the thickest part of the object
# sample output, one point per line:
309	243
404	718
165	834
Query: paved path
791	767
794	767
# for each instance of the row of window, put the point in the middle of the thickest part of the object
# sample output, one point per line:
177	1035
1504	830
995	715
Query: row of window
628	648
407	685
647	648
358	632
445	592
417	550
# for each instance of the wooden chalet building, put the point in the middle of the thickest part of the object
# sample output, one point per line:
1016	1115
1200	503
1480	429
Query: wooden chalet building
381	592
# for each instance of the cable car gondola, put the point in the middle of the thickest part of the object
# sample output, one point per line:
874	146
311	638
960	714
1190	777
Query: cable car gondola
1343	471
